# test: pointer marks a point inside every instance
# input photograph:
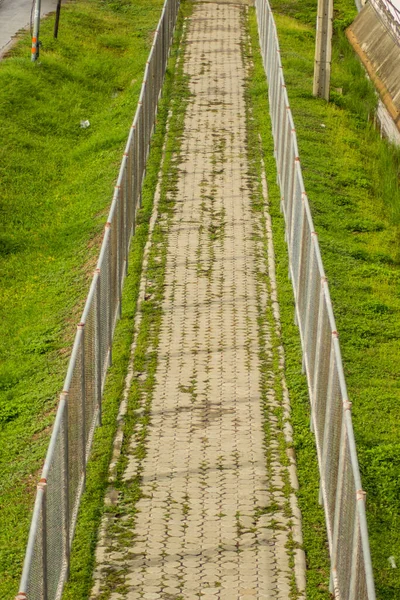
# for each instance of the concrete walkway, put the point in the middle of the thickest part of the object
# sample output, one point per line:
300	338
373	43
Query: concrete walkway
215	519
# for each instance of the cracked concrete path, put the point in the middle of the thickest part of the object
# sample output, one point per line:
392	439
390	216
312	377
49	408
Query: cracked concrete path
215	517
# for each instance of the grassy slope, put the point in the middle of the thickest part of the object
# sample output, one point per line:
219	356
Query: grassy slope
351	176
53	205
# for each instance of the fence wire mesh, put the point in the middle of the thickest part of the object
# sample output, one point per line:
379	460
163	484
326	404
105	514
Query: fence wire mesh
58	496
340	485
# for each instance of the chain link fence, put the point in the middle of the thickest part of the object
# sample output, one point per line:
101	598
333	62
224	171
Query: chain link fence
340	485
60	488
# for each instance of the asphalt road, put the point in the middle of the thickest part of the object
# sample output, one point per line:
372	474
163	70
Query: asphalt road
15	14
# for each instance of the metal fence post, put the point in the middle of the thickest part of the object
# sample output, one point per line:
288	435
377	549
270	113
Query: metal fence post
127	205
81	327
291	228
296	224
109	300
42	489
290	200
135	178
355	557
66	485
119	244
309	322
320	355
140	152
338	499
302	265
283	145
98	348
360	500
328	411
280	125
36	29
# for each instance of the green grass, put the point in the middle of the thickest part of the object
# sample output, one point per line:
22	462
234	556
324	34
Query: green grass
352	179
56	183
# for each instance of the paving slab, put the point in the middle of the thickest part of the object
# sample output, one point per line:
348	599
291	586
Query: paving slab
204	525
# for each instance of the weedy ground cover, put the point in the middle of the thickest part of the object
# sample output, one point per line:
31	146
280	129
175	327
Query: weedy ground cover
56	183
352	179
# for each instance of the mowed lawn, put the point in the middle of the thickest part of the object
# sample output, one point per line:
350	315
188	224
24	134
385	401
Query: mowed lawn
56	183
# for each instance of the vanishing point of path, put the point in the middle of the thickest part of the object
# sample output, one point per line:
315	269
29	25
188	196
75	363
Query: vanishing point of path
217	513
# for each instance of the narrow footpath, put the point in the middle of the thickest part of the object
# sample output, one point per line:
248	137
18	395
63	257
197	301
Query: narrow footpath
217	515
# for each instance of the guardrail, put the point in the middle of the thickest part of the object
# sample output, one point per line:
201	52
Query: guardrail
340	485
62	482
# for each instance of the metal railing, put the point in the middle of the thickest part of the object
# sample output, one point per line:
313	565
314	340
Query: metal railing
340	485
62	482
